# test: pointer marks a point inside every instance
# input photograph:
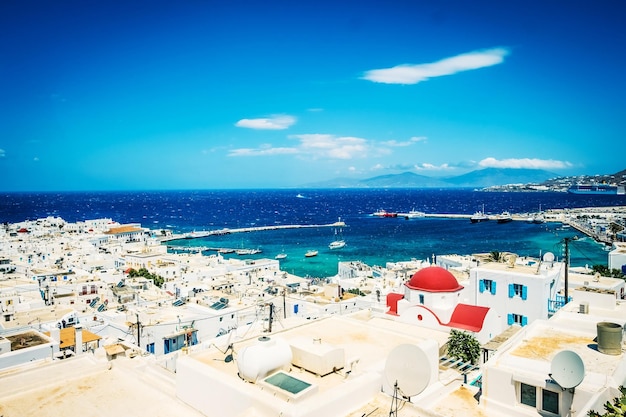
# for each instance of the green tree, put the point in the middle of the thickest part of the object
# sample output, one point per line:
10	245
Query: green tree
463	346
495	256
615	409
604	271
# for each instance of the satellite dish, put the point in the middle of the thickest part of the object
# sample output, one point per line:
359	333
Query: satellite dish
548	257
408	366
567	369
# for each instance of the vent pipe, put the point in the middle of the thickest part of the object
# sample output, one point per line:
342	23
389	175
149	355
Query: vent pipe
609	338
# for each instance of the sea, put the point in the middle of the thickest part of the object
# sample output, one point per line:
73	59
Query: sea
370	239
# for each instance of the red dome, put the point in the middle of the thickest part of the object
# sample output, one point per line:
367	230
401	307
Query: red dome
434	279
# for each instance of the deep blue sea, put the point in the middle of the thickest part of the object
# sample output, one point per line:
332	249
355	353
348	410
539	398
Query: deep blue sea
372	240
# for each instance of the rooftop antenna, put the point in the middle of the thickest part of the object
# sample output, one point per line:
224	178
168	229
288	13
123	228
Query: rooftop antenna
567	370
407	369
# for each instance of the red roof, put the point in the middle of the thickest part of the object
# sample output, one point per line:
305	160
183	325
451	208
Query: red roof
468	317
434	279
392	302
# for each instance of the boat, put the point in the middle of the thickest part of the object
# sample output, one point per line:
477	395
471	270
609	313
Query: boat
281	255
413	214
504	217
597	189
384	213
338	243
247	251
479	216
311	253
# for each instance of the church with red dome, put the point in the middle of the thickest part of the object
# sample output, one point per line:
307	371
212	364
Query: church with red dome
432	299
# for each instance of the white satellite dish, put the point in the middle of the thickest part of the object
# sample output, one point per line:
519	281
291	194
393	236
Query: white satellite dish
548	257
408	366
567	369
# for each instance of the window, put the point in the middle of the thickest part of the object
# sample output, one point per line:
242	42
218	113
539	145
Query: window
487	285
421	298
528	395
550	401
518	290
517	319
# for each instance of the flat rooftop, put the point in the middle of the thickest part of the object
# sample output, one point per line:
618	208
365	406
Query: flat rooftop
85	386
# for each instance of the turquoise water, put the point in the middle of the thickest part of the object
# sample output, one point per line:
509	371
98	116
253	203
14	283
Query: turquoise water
372	240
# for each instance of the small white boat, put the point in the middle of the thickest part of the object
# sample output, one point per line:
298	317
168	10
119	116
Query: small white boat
413	214
281	255
311	253
337	244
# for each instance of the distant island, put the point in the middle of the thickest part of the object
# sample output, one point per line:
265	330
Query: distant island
488	179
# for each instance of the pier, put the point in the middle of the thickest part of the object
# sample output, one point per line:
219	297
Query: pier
225	231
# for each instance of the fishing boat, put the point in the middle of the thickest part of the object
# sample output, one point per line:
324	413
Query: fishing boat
311	253
504	217
384	213
479	216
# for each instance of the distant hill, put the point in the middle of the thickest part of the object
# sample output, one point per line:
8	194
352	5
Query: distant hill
489	177
476	179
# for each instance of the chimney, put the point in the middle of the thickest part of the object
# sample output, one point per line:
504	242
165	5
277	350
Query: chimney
55	334
78	348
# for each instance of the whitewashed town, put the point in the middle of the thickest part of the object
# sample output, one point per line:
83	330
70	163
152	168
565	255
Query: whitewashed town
102	314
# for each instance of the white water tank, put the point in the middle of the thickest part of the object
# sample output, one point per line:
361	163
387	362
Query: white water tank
263	358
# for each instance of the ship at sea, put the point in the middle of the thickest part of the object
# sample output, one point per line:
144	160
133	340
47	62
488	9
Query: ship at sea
597	189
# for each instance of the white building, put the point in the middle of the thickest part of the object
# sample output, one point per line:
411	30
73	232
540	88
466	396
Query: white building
519	290
617	257
432	299
522	378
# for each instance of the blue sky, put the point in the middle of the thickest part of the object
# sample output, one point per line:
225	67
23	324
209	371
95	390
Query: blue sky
118	95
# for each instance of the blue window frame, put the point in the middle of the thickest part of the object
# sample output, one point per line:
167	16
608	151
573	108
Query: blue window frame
518	290
487	285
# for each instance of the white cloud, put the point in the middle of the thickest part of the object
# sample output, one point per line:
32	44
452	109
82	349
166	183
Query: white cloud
411	141
330	146
262	151
315	146
278	122
531	163
36	159
413	74
431	167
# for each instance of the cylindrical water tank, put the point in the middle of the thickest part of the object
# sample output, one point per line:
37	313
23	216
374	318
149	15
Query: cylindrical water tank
263	358
609	338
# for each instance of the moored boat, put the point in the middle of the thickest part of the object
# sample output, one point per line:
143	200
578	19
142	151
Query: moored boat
311	253
504	217
281	255
597	189
413	214
479	216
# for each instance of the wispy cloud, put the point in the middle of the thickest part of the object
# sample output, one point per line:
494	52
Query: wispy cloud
415	73
531	163
411	141
277	122
2	153
315	146
264	150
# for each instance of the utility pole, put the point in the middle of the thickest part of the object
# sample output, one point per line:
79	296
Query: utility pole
566	269
138	331
271	305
